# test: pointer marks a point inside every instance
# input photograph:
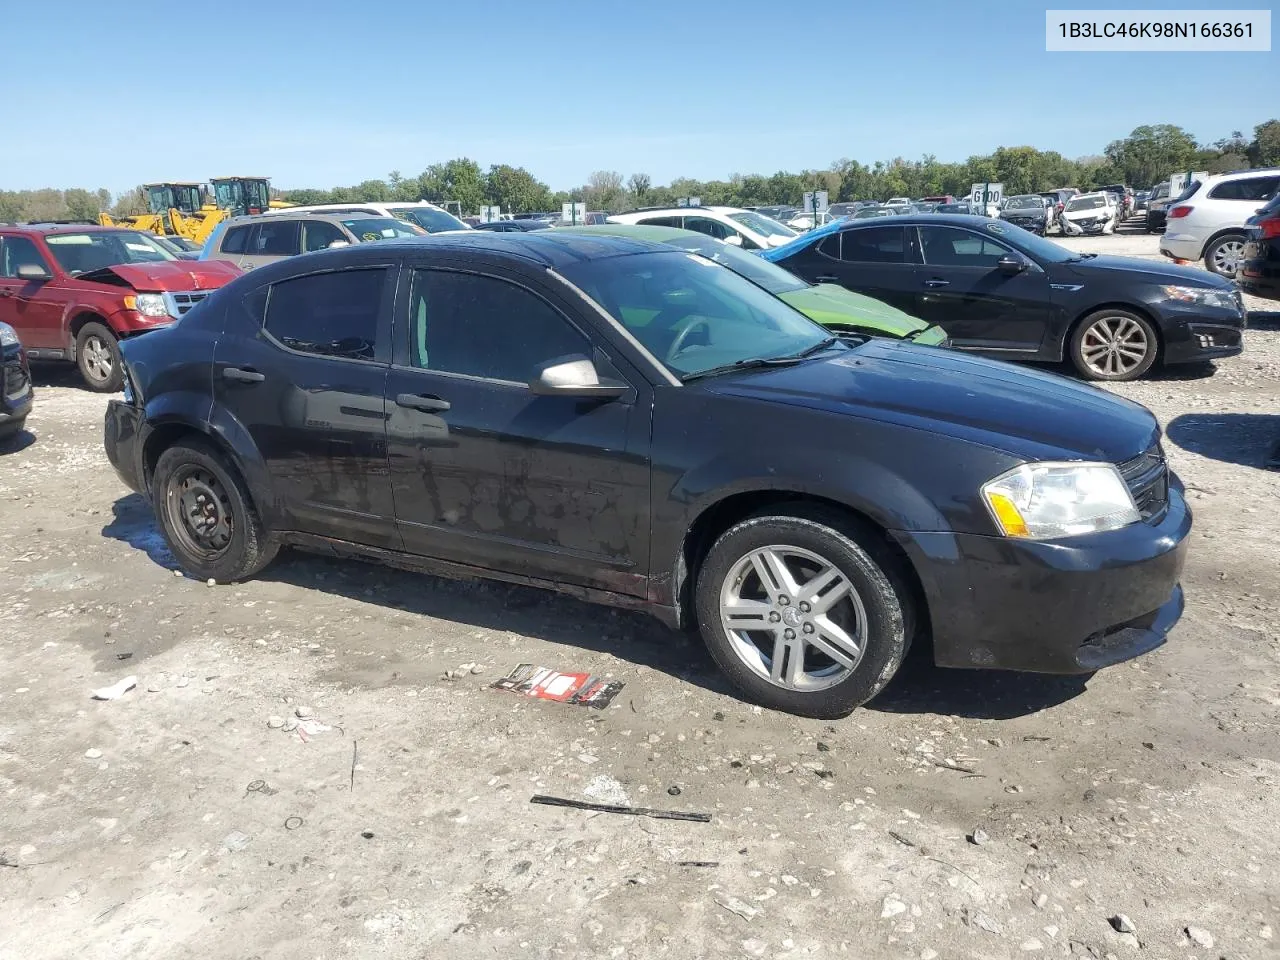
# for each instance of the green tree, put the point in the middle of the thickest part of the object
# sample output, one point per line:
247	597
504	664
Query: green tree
306	197
604	191
459	179
1151	153
638	184
1264	151
81	204
515	189
374	191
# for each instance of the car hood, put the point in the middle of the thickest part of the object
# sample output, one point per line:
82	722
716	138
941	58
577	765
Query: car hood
1026	413
166	275
830	304
1152	271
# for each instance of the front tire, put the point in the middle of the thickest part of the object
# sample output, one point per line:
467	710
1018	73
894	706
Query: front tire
1224	254
206	515
98	357
1114	345
800	615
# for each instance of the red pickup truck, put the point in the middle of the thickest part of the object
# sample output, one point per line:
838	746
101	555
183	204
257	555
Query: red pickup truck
73	291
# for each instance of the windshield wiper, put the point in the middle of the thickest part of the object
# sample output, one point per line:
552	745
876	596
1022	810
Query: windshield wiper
923	330
752	363
818	347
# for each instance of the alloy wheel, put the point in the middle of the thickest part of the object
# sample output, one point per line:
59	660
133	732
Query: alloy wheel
793	618
97	359
1114	346
1227	256
200	512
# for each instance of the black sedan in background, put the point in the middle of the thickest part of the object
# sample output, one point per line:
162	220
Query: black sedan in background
1259	272
1029	211
514	226
997	289
15	383
585	414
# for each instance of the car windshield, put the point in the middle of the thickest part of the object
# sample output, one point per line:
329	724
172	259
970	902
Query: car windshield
79	253
368	229
756	269
1085	203
1029	243
1024	203
691	314
428	218
761	225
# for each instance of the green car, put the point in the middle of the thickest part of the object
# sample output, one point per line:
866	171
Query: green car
833	306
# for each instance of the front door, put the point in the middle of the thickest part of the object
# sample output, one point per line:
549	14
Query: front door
487	474
302	367
961	288
32	307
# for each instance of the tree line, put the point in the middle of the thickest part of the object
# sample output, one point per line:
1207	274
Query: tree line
1148	155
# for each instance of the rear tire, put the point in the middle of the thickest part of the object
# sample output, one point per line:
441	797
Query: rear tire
1223	255
1114	345
862	613
206	515
98	357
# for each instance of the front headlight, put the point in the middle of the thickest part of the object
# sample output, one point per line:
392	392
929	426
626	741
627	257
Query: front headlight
148	304
1044	501
8	336
1198	295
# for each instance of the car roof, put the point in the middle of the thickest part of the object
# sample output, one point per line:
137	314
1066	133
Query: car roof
285	214
551	249
43	228
635	231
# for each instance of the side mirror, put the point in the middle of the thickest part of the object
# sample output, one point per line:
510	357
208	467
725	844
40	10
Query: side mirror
574	377
1010	264
733	240
33	271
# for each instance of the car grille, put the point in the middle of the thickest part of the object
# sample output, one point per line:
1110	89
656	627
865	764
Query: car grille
1147	477
181	303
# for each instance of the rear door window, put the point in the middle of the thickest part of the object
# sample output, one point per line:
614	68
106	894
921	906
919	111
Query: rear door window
328	314
874	245
1246	188
276	238
236	240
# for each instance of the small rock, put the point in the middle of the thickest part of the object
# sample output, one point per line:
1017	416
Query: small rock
673	790
275	723
789	880
755	947
928	953
93	753
1013	788
1129	940
1122	924
1040	900
892	907
235	840
1265	931
303	713
154	687
983	922
177	573
1051	932
211	582
1148	744
587	758
476	669
1031	944
823	748
1200	937
290	725
995	742
978	837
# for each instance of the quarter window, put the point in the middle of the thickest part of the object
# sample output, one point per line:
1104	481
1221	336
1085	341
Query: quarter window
328	314
1246	188
874	245
483	327
236	239
953	247
18	252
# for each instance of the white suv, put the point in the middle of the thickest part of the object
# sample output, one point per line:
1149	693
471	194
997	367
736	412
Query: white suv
733	225
428	216
1207	221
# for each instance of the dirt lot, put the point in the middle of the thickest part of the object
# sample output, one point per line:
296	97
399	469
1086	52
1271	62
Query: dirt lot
182	821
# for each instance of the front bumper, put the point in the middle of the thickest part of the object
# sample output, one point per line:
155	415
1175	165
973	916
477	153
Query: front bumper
122	442
1078	229
16	391
1180	246
1201	333
1068	606
1260	276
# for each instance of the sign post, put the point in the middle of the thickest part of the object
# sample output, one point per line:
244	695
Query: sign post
573	213
815	203
490	214
986	193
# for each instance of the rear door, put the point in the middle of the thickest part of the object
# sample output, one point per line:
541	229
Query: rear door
960	287
871	260
301	367
270	241
487	474
32	307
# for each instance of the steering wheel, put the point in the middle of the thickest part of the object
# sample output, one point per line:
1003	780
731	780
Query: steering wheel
680	342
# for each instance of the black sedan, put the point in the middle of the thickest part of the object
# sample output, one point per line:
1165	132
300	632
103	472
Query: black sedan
15	383
1259	272
1028	211
997	289
586	414
514	226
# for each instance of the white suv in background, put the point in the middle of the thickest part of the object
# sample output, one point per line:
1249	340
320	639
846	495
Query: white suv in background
1207	221
428	216
733	225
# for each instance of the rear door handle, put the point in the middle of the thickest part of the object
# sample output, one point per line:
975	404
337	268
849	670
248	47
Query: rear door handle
243	376
937	283
422	402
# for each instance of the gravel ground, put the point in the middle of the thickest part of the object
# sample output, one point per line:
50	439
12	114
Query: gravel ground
961	814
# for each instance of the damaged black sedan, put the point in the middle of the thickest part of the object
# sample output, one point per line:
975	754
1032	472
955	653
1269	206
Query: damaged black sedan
1030	212
639	426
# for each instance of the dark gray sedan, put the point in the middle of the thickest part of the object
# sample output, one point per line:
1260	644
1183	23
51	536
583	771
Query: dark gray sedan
1028	211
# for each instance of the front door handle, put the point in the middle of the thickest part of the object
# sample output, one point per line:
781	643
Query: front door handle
827	279
422	402
243	376
937	283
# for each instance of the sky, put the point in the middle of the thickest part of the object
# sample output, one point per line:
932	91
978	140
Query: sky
328	93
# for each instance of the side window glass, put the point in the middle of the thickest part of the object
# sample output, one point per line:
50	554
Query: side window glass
328	314
706	225
484	327
830	246
874	245
318	234
951	246
662	221
17	252
236	239
276	238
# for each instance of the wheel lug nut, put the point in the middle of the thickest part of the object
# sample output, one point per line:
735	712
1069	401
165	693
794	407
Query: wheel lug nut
804	608
783	600
789	634
808	628
774	616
